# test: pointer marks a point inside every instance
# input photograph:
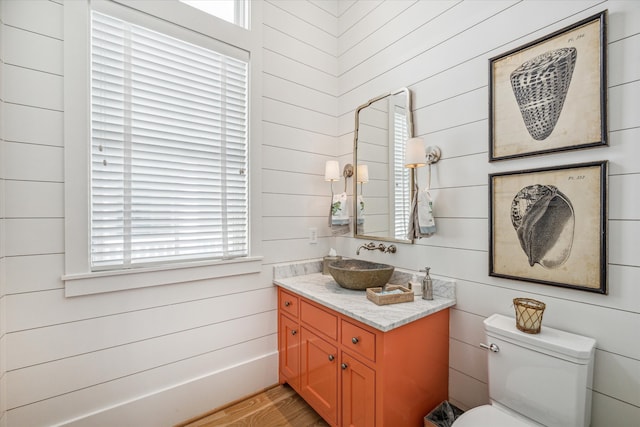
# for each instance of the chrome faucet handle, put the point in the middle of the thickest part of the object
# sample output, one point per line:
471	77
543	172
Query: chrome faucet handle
380	247
368	246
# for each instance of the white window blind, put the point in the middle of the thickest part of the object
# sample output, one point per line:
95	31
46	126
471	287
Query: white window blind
168	148
401	176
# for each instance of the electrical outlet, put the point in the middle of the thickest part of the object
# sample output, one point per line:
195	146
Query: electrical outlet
313	235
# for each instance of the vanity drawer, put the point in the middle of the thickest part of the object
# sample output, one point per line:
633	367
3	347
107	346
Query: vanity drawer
319	319
288	303
359	340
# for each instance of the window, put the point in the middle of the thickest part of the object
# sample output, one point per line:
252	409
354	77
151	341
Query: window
401	175
123	152
168	149
230	10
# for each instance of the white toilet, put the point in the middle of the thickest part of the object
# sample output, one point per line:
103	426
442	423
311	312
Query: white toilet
534	379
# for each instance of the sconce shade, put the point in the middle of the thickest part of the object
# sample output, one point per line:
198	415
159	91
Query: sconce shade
363	173
332	171
415	155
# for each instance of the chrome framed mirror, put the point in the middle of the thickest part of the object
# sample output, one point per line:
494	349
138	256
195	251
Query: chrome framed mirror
383	185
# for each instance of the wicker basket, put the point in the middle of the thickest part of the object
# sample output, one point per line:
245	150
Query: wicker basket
376	296
528	314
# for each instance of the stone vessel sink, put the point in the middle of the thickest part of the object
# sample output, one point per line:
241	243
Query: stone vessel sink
359	274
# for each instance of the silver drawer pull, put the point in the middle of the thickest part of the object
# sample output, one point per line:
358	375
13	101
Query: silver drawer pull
344	366
331	357
287	303
355	340
293	332
490	347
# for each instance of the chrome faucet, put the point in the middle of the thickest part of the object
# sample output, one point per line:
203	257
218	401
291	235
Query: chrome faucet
381	247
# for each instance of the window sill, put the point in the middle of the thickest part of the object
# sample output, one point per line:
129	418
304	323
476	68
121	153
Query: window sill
120	280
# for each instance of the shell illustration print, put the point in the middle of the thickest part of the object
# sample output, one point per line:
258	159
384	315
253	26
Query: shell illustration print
544	220
540	86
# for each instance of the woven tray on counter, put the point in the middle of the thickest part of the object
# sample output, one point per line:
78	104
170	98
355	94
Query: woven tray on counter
374	295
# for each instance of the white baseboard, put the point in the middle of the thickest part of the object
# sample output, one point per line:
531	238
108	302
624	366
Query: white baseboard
184	401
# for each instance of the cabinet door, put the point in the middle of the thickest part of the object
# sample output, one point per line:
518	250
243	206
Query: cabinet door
358	393
319	375
289	353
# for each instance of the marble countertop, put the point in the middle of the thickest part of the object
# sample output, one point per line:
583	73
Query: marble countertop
306	280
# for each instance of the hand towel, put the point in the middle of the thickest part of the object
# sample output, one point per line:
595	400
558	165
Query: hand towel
421	222
360	216
339	211
360	210
339	215
426	222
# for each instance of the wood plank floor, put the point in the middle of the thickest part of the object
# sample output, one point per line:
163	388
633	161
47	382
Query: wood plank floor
279	406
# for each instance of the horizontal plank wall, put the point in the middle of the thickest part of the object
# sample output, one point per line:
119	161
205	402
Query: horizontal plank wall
134	356
299	126
161	355
3	338
440	50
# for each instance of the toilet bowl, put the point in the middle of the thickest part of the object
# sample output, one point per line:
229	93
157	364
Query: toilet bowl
534	379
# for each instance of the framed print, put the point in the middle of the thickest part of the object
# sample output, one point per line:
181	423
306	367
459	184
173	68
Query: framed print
549	226
550	95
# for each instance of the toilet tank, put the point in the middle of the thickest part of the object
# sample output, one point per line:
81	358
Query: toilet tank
545	377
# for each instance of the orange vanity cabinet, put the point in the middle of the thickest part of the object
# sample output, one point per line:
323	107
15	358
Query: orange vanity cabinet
358	383
289	339
355	375
319	375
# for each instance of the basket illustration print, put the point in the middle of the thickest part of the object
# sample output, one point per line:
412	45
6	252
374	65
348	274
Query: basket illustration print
540	86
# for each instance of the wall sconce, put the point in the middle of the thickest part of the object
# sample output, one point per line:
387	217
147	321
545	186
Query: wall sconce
347	172
414	156
417	156
362	175
332	172
433	154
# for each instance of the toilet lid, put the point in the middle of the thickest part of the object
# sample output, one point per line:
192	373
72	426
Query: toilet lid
489	416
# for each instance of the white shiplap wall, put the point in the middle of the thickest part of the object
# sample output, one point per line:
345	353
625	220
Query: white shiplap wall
161	355
440	50
3	339
300	125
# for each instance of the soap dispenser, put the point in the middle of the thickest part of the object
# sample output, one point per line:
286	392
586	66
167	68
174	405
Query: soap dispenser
427	285
415	286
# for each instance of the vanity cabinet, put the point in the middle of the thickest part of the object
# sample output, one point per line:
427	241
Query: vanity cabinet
358	392
319	375
355	375
289	352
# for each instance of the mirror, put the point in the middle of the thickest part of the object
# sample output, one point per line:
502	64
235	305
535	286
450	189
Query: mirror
382	184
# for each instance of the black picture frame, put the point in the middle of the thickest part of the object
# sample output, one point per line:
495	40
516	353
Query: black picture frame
550	95
549	226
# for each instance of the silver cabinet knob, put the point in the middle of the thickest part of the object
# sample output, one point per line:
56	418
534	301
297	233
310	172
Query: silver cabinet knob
293	332
287	303
355	340
344	366
331	357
